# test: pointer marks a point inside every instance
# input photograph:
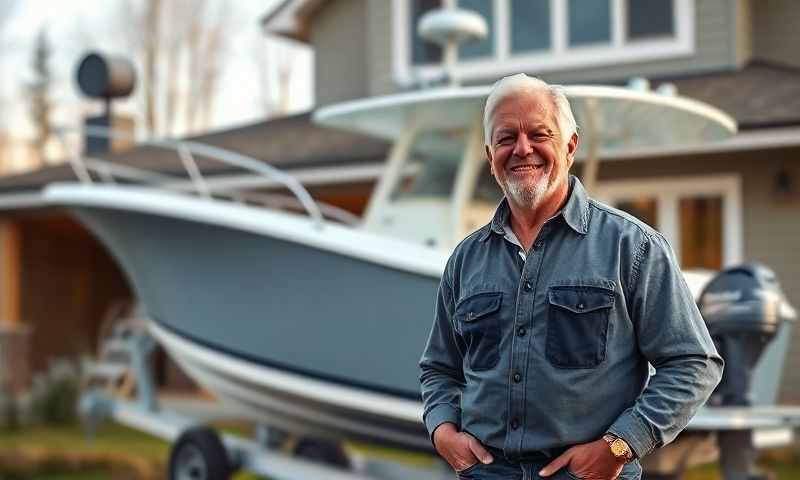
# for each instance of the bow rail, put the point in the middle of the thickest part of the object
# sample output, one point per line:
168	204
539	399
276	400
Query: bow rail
109	172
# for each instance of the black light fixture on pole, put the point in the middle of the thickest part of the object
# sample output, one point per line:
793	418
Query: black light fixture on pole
104	77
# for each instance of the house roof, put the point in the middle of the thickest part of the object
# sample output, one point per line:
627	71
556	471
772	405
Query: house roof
758	95
290	18
287	143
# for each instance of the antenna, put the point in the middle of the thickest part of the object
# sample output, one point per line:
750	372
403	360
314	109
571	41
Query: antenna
448	27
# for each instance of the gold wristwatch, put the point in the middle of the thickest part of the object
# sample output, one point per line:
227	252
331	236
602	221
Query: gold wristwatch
619	447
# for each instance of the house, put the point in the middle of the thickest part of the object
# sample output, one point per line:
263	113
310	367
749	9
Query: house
719	204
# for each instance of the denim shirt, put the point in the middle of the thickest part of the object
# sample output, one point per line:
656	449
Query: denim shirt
535	354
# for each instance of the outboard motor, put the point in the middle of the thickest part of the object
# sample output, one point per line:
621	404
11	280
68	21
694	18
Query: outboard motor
744	308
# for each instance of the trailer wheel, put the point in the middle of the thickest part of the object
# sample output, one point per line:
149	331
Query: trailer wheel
199	455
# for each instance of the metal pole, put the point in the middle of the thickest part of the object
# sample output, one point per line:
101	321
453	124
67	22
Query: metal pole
590	166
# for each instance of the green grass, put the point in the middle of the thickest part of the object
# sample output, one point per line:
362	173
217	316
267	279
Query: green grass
117	440
782	471
83	475
110	438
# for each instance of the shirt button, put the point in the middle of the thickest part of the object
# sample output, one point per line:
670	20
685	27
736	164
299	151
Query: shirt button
514	424
527	286
581	306
517	377
521	331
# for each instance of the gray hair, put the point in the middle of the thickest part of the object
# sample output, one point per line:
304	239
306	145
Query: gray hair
521	83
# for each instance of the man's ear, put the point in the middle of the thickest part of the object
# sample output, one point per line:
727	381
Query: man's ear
489	158
572	148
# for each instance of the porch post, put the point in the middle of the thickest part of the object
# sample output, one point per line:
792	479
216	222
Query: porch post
14	335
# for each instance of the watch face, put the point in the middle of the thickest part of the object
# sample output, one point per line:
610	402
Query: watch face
619	448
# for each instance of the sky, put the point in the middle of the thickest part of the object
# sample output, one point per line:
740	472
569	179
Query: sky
78	26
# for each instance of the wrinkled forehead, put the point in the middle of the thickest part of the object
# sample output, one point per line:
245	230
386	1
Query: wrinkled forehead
535	106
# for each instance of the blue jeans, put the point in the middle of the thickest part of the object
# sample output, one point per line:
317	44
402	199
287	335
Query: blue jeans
503	469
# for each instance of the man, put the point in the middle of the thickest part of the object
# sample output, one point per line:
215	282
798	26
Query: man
547	317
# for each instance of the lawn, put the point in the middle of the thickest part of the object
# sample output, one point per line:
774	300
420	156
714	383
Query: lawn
64	453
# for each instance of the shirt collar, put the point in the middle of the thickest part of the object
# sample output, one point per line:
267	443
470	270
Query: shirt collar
575	212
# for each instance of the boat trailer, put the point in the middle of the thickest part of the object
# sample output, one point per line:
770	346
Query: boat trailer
199	452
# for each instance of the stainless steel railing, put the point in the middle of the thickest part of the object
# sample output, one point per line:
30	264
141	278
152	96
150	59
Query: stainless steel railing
198	184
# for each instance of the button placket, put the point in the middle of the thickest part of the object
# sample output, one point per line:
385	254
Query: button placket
520	351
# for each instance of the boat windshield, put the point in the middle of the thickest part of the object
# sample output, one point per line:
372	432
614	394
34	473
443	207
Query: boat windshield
431	166
486	189
481	206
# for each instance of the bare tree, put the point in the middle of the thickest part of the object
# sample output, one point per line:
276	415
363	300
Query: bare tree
39	97
209	54
7	8
180	45
149	25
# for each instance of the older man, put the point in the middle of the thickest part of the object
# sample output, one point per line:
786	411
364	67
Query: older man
547	317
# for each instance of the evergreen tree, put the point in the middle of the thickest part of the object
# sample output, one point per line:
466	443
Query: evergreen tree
39	90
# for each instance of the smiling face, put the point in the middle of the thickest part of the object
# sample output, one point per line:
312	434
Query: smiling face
528	155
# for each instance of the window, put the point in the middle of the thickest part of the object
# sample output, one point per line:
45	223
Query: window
431	165
700	216
589	22
650	18
530	25
644	208
545	35
701	232
423	52
485	47
699	225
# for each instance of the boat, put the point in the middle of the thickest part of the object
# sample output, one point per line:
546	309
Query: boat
316	326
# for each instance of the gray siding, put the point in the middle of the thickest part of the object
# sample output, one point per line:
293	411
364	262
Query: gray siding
379	32
770	223
744	31
339	38
776	31
353	44
715	49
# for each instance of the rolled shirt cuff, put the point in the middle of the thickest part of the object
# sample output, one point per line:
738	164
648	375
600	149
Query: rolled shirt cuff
635	431
440	414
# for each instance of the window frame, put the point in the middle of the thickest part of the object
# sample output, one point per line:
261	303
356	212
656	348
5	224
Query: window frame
668	192
559	56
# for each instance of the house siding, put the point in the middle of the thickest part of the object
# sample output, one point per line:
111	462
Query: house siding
341	49
769	222
715	49
775	31
379	31
353	42
743	34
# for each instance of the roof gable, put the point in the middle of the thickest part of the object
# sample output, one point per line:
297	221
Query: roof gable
291	19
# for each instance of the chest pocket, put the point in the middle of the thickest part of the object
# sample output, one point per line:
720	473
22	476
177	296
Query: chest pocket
577	325
479	322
